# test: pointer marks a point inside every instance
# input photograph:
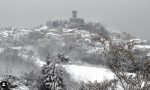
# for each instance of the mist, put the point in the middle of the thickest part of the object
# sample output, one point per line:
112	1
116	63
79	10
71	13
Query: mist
124	15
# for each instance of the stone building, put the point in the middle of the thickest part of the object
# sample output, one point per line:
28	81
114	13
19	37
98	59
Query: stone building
75	19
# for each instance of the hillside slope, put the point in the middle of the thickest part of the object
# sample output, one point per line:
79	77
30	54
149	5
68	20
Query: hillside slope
26	50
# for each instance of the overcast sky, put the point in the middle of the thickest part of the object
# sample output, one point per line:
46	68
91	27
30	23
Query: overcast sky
132	16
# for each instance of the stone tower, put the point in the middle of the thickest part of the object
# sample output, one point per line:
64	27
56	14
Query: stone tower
76	22
74	14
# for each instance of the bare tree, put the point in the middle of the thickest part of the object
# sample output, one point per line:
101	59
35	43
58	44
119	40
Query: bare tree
121	59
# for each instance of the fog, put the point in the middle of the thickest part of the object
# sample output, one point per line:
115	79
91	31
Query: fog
132	16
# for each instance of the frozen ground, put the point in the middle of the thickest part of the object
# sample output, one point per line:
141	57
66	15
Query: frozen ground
87	73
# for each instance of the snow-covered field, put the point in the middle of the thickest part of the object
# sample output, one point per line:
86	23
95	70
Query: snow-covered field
87	73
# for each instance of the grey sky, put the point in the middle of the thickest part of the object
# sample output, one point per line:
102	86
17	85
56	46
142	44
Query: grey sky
132	16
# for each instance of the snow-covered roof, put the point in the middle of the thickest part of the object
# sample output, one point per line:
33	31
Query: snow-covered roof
137	41
44	28
141	47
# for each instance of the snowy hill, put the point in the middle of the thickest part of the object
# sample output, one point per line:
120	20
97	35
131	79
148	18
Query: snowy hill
80	40
33	46
79	45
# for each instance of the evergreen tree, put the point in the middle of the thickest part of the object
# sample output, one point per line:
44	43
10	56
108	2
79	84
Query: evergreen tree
51	77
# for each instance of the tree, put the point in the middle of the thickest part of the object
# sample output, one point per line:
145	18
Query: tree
121	59
51	78
63	58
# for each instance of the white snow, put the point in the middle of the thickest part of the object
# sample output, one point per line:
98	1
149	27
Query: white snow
90	73
86	73
21	88
141	47
148	54
39	62
88	40
138	41
52	30
52	34
44	28
84	34
143	84
95	49
36	60
17	48
131	40
1	50
68	30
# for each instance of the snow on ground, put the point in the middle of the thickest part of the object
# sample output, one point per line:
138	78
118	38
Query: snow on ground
141	47
69	30
137	41
95	49
52	35
1	50
86	73
17	48
92	74
44	28
38	61
21	87
148	54
5	33
84	34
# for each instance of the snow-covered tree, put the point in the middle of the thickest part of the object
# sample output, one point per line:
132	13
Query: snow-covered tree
52	77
